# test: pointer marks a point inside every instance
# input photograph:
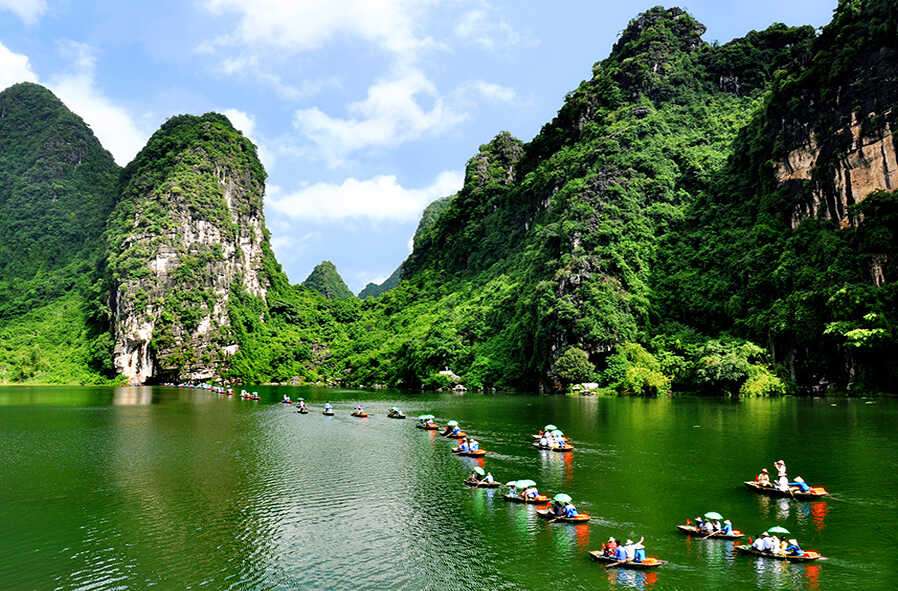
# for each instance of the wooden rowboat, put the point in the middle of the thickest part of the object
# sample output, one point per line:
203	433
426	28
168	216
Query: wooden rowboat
481	484
428	427
647	563
470	454
538	500
565	447
361	415
538	437
580	518
808	556
771	491
303	411
691	530
328	413
395	416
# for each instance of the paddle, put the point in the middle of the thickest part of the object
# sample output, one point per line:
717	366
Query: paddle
614	563
709	535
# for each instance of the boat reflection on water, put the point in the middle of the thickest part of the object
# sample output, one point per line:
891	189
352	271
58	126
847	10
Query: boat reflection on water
818	514
631	579
582	531
780	574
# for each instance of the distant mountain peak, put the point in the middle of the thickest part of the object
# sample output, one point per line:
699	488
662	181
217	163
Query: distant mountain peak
325	279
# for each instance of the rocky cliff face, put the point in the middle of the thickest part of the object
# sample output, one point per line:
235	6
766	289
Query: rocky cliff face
188	230
834	124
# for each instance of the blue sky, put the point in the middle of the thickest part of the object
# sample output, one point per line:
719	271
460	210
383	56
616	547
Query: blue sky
364	110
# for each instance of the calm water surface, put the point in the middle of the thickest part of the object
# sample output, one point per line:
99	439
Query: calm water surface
139	488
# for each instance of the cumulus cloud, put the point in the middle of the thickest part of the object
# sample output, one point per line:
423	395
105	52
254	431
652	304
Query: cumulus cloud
480	89
111	123
482	27
379	198
299	26
27	10
14	67
390	115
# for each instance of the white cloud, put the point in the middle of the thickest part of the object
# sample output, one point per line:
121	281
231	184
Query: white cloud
242	122
112	124
378	198
308	24
390	115
486	29
495	93
14	67
27	10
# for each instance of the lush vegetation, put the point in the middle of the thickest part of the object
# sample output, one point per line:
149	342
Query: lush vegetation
641	240
325	279
57	185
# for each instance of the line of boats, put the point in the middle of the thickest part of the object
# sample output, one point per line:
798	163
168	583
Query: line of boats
559	508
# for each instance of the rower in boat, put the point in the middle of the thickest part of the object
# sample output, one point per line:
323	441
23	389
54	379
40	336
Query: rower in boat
479	477
524	491
286	400
772	547
629	555
763	479
359	411
463	446
395	413
473	445
426	422
328	409
452	430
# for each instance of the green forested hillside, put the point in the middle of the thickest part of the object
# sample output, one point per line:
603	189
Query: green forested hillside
57	185
325	279
697	217
751	257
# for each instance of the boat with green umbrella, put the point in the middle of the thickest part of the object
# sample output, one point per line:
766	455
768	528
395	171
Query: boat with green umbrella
301	406
524	491
477	479
452	431
548	430
427	423
395	413
562	509
555	441
766	547
695	529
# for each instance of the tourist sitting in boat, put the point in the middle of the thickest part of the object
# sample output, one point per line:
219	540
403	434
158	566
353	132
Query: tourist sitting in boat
763	478
801	484
761	543
531	492
327	406
610	547
557	509
570	510
489	478
394	412
476	477
621	554
463	446
707	526
773	545
286	399
782	483
727	527
301	404
429	423
543	440
638	551
793	549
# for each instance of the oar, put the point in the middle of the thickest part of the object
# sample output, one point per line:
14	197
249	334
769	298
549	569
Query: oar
614	563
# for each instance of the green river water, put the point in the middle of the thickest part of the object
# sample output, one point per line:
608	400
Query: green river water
165	488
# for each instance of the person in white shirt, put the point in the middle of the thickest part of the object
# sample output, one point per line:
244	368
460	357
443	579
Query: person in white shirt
760	544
